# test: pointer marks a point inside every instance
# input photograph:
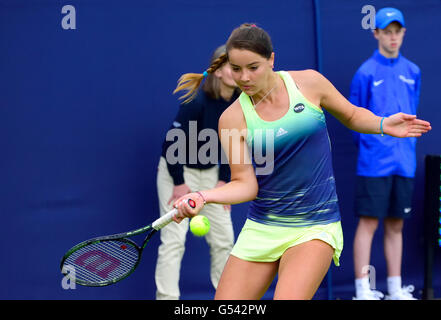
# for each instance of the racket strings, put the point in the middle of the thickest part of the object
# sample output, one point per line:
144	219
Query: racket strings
102	262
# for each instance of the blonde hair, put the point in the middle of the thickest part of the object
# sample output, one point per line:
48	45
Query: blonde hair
191	82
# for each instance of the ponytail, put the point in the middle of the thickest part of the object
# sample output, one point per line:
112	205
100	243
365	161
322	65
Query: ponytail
191	82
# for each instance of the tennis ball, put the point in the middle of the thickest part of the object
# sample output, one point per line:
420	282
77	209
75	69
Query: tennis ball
199	225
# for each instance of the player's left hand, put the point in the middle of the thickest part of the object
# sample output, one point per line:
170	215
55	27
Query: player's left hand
403	125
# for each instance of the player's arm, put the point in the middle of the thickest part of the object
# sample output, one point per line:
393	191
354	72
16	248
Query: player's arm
358	96
243	184
361	119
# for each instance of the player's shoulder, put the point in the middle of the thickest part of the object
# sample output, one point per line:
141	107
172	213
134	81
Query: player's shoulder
305	74
309	78
232	117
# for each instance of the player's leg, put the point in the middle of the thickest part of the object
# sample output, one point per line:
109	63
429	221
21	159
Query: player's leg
172	247
252	265
302	269
245	280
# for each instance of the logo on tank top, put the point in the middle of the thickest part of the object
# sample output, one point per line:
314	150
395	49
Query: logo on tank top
299	107
281	132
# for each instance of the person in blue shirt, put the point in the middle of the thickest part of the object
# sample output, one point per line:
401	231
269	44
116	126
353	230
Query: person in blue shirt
385	84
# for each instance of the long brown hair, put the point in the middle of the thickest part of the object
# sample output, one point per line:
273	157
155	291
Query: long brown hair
252	38
246	37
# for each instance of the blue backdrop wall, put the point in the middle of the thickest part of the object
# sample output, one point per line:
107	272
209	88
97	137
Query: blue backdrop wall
83	113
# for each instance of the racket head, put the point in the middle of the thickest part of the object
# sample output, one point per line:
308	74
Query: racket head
101	261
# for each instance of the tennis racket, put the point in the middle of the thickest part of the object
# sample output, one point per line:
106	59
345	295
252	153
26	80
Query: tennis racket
106	260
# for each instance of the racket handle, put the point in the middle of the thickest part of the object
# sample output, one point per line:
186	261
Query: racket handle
164	220
168	217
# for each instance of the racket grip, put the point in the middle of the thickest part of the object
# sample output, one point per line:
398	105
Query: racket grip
164	220
168	217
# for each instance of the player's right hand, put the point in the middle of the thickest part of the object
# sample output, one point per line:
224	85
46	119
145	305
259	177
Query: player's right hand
184	209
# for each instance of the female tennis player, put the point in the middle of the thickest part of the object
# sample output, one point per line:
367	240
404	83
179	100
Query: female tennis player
293	227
